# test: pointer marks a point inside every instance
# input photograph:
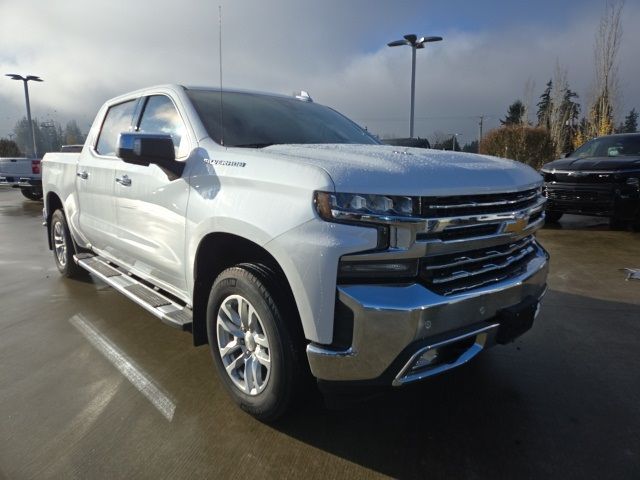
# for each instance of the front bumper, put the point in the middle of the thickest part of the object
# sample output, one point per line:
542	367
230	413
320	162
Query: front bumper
394	323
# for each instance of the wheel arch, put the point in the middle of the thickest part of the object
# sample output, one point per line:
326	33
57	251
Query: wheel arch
52	203
218	251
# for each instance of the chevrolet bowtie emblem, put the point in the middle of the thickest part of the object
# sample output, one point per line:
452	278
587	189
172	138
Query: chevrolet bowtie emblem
517	226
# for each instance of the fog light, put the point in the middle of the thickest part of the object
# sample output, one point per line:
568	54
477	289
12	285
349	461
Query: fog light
400	269
427	358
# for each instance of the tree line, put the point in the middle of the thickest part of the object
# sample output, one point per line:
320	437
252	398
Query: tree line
560	124
49	135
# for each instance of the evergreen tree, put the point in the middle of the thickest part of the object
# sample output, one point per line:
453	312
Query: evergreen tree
51	135
471	147
570	111
446	143
23	137
72	134
631	122
9	148
515	114
545	107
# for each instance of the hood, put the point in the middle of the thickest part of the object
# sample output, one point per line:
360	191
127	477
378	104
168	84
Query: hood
392	170
595	163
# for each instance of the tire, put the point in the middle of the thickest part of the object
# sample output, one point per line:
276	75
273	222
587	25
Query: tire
617	223
31	193
63	249
262	346
552	216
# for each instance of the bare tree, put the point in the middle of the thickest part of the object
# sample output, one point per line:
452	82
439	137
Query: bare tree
529	88
607	45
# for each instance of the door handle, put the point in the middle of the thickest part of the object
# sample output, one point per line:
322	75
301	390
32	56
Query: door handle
125	181
83	175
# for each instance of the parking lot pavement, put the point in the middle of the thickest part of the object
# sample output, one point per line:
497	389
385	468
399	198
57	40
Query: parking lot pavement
91	386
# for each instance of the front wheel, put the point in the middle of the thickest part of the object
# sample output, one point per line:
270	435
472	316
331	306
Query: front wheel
617	223
552	216
252	345
63	246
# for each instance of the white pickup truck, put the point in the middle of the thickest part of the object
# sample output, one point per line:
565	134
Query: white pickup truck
291	241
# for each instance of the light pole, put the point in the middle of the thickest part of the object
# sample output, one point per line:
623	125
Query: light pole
25	80
415	43
454	137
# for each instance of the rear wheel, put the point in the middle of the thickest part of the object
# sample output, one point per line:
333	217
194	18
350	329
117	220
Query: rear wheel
254	349
32	193
63	246
552	216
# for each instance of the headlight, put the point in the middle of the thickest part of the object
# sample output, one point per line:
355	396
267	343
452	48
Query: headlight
355	207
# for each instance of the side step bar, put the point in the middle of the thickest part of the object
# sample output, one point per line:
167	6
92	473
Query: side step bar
167	310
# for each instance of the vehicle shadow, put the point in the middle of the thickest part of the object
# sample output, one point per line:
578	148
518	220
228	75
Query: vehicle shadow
580	222
562	401
540	407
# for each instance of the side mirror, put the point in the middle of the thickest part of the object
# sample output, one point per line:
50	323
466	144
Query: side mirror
147	148
567	154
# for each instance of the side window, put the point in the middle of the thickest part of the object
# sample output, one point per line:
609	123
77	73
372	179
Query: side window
160	116
117	120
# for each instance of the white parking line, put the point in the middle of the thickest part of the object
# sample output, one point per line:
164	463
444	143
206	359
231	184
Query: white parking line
128	368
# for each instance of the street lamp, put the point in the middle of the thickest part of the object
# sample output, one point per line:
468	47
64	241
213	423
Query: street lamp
454	137
26	79
415	43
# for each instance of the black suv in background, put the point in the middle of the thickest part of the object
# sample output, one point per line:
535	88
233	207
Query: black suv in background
601	178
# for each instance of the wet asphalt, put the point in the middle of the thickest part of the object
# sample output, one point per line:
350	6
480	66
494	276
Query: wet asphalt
92	386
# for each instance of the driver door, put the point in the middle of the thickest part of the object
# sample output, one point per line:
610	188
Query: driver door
151	204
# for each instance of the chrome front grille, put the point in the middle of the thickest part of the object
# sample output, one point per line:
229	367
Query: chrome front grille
453	273
475	241
579	193
465	242
477	204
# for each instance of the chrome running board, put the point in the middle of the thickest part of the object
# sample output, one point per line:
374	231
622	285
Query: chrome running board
153	301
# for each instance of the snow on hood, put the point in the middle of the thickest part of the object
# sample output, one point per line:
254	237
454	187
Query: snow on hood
396	170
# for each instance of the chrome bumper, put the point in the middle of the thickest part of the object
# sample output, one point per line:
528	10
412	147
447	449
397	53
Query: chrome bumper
389	318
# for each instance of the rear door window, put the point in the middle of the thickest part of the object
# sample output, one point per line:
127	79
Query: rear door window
117	120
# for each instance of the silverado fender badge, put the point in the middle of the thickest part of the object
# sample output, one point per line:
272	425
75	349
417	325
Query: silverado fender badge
224	163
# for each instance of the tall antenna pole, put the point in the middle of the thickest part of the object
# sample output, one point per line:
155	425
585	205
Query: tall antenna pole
220	44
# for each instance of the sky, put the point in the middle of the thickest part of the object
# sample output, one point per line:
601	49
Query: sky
88	51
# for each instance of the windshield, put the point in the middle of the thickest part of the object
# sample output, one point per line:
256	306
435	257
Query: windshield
612	146
255	120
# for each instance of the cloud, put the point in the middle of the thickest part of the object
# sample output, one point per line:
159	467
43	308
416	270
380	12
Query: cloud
90	51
